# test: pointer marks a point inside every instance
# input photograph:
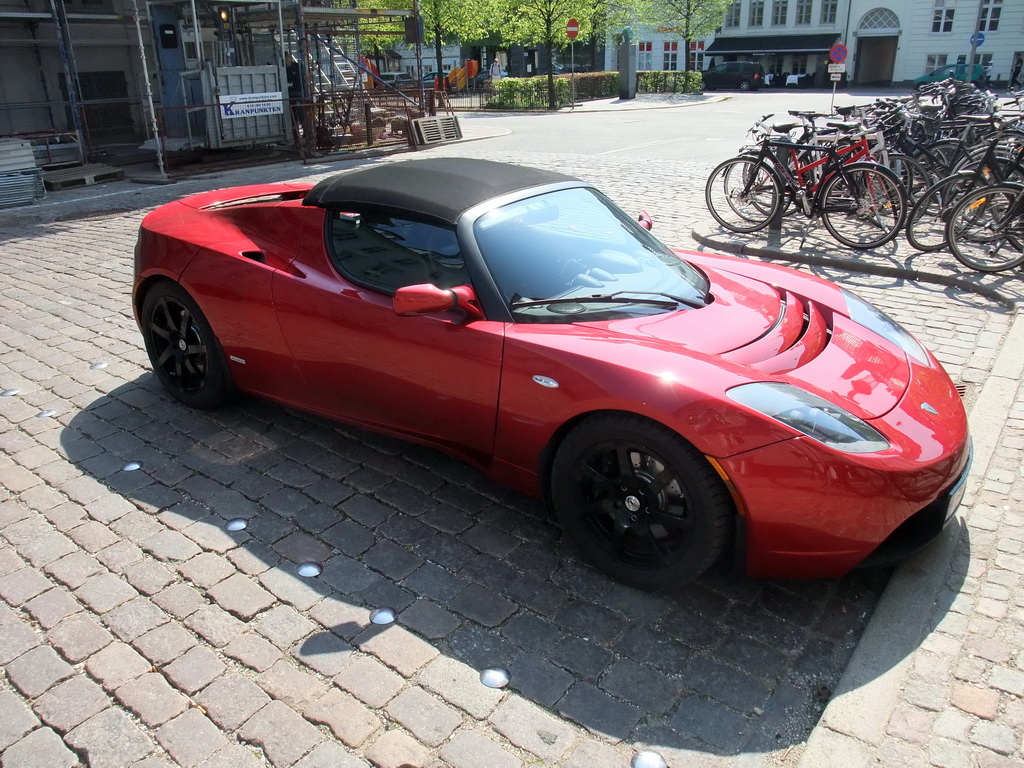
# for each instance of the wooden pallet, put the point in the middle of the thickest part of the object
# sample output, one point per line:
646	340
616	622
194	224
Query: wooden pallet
82	176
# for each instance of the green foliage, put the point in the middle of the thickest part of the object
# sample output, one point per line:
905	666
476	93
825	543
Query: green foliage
668	82
690	19
456	20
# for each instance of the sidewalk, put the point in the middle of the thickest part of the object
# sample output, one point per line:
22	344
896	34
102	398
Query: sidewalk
938	675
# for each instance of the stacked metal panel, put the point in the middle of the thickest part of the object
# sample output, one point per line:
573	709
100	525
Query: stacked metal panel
21	181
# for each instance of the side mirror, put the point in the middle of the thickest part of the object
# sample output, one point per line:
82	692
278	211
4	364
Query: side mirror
645	220
426	299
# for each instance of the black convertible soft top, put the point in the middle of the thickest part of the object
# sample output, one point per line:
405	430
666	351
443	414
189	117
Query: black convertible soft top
441	188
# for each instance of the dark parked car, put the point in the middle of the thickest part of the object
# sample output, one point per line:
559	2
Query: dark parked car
742	75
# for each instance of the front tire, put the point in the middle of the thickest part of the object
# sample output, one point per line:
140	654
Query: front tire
926	224
639	501
986	228
182	348
742	194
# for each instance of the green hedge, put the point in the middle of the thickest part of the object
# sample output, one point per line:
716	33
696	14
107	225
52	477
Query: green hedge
668	82
532	92
596	85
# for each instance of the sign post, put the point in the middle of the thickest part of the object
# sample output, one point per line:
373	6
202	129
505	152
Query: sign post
837	55
572	29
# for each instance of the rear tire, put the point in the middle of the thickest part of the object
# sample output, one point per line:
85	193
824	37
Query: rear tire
912	174
864	206
185	354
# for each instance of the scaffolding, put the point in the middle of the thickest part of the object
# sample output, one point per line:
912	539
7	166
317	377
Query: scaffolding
183	76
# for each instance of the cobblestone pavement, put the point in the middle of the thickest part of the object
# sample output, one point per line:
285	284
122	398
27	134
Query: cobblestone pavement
135	630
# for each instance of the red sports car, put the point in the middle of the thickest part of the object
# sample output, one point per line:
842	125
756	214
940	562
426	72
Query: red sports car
673	408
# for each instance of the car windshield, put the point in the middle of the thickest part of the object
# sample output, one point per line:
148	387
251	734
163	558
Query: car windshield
573	255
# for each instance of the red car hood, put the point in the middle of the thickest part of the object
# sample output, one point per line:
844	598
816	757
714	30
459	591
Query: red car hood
773	333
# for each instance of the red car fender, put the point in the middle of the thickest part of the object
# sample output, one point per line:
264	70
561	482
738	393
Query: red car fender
545	391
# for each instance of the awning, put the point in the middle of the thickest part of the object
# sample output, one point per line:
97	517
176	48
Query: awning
766	45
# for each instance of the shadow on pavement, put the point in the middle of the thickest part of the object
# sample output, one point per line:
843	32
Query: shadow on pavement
472	570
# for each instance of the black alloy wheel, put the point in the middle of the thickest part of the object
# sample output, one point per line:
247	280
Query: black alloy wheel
183	349
639	501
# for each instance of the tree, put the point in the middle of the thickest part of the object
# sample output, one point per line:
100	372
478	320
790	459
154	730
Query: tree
445	20
543	22
605	16
692	19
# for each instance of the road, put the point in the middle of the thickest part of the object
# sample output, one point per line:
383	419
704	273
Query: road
708	133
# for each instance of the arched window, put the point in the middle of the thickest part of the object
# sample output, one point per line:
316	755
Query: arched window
879	21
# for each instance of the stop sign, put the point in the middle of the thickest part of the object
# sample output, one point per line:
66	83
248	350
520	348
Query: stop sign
572	29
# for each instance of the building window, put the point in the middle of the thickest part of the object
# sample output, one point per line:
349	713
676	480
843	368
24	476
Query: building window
696	60
645	57
800	64
829	10
756	13
732	15
990	11
933	61
779	9
942	16
803	11
671	59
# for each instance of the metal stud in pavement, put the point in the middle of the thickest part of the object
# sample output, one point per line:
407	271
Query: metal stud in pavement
236	524
648	759
9	393
383	616
496	677
309	570
131	466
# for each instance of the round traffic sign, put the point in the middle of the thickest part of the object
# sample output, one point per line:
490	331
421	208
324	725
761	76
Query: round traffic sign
837	53
977	38
572	29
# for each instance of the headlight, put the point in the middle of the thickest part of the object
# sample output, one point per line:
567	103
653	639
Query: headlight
813	416
874	319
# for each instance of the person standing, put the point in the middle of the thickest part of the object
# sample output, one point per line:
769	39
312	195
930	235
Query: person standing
496	69
1018	64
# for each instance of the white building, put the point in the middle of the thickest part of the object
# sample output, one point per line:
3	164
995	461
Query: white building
890	44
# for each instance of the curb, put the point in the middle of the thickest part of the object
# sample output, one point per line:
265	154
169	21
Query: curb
855	719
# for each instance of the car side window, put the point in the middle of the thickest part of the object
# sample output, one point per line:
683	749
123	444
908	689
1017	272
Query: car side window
386	252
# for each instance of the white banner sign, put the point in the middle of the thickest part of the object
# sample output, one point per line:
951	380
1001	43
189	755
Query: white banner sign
836	68
250	105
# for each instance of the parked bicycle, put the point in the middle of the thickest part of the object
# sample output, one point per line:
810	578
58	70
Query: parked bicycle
861	204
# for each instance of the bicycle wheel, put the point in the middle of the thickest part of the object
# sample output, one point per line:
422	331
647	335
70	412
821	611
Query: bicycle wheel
912	173
986	228
743	194
863	205
926	223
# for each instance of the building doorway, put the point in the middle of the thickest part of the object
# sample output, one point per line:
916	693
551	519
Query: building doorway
878	35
